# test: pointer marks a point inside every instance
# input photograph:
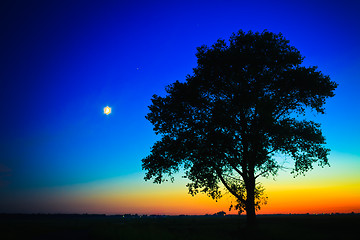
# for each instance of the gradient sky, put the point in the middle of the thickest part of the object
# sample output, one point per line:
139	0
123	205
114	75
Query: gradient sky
62	62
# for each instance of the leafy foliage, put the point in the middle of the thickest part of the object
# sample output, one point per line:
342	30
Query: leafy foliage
238	109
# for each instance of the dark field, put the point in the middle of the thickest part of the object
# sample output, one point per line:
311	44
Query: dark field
69	227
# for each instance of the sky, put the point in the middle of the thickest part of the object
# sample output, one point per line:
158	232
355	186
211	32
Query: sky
62	62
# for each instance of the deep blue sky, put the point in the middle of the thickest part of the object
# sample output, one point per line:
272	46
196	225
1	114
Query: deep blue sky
62	62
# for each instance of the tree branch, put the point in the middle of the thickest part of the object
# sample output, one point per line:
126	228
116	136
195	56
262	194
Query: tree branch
265	171
228	187
235	168
234	178
285	109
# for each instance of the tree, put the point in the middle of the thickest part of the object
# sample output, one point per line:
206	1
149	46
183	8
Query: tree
244	104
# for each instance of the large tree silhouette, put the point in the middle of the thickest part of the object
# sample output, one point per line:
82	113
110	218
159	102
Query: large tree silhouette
244	103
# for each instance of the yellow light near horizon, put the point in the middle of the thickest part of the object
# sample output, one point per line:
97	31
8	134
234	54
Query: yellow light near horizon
107	110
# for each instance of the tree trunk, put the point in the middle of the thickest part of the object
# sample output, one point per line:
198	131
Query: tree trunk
250	202
250	214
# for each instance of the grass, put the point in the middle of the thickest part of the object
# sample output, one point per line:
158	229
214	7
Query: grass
194	227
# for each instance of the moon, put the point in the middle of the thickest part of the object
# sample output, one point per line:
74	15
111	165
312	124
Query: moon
107	110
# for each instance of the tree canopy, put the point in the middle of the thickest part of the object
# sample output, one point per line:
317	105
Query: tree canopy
245	103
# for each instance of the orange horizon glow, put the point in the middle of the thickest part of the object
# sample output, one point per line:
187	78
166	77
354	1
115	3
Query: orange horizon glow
126	196
327	190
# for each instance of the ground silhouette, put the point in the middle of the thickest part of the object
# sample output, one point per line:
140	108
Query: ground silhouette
282	227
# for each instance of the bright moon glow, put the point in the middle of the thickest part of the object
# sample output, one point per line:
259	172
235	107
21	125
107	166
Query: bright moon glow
107	110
